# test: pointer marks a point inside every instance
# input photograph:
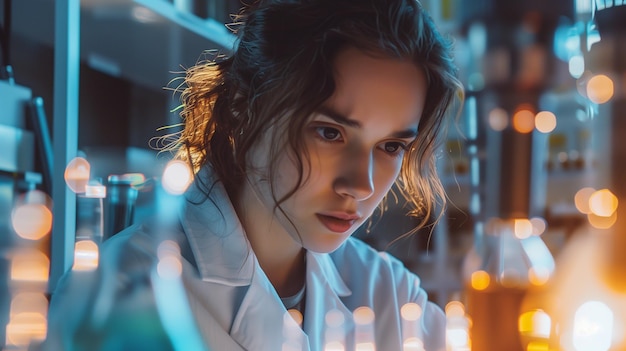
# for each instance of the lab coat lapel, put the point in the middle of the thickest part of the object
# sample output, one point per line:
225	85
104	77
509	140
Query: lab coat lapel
220	249
324	288
262	320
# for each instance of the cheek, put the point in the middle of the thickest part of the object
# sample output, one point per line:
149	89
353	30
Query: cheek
386	175
287	173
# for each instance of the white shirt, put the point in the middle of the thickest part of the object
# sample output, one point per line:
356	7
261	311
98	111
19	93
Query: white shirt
232	302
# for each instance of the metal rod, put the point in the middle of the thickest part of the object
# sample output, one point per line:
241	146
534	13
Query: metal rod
65	124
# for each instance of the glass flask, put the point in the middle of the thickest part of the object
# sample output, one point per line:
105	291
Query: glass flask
505	261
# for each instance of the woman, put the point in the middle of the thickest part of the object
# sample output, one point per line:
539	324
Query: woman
295	140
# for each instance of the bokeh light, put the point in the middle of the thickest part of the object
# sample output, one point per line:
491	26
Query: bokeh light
411	311
292	321
581	199
86	255
168	248
523	120
600	89
169	265
601	222
593	327
77	174
536	323
538	276
498	119
296	315
523	228
29	265
27	318
545	121
458	338
364	329
413	344
539	225
480	280
603	203
334	335
576	66
29	302
32	217
177	177
95	191
23	328
334	318
363	315
334	346
365	346
455	309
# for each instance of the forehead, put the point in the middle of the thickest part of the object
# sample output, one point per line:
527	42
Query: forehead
378	87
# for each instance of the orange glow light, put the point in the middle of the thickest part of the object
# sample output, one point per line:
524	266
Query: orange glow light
545	121
538	276
523	228
296	315
603	203
32	218
77	174
581	199
480	280
86	255
169	267
600	89
32	221
535	323
25	327
411	311
29	302
363	315
455	309
524	121
601	222
29	265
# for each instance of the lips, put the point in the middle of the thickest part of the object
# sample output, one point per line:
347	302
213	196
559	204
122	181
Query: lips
338	223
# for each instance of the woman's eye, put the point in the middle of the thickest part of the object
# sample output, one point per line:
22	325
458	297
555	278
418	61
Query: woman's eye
394	147
329	133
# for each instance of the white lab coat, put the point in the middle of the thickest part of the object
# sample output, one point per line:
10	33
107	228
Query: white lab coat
233	304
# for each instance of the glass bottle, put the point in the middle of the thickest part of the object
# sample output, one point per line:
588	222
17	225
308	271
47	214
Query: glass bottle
505	261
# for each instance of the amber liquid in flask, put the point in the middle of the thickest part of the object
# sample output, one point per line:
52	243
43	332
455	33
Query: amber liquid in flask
495	312
497	275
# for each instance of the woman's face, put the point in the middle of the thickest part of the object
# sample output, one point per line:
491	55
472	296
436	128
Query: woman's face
356	142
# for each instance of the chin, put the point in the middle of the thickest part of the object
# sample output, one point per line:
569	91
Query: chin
326	245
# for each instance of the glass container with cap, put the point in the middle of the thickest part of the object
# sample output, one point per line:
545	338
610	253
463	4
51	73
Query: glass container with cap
120	202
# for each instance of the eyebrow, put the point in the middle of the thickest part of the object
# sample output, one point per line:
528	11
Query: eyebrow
341	119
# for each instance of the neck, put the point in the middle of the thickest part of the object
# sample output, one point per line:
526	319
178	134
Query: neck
279	255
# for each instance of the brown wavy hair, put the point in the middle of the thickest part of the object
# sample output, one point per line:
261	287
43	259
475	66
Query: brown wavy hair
281	72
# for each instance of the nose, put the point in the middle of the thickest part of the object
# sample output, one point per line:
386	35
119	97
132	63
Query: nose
355	179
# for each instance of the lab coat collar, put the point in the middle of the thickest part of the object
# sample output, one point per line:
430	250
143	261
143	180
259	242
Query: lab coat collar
220	247
221	250
324	291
